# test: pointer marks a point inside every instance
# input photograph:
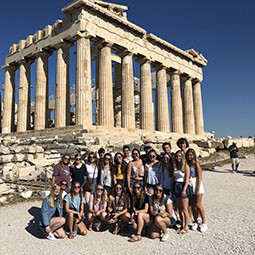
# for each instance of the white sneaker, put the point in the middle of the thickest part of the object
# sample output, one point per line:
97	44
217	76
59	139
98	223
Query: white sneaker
203	228
164	237
51	236
199	221
195	226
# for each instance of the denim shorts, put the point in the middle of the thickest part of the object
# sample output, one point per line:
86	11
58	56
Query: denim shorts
132	181
177	190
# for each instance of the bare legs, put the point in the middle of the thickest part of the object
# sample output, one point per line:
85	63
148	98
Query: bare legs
56	224
160	224
197	208
82	230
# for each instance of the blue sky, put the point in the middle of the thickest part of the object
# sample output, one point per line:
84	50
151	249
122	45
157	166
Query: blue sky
223	31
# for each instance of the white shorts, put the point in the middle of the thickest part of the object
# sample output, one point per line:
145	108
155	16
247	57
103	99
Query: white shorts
235	161
193	186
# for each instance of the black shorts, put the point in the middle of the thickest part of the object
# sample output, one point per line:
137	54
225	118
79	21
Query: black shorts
177	190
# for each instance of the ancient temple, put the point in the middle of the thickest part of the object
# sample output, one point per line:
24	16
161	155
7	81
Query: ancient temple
101	33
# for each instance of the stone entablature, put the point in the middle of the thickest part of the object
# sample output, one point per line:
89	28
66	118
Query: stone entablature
106	25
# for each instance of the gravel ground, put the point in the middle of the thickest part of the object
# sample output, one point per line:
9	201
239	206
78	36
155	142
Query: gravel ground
229	205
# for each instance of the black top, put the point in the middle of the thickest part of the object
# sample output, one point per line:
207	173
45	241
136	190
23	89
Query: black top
78	174
146	200
233	151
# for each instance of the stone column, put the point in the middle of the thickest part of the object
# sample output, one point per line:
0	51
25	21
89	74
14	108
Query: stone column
127	96
162	114
146	105
9	101
23	98
62	103
188	111
97	91
117	91
176	103
83	92
106	118
41	117
198	109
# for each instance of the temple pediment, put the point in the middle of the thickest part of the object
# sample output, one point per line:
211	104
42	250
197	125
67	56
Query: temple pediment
195	54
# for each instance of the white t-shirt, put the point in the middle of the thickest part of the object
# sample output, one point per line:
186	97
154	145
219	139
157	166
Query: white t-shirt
157	206
90	171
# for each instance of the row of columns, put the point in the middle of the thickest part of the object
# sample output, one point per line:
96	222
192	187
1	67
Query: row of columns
186	110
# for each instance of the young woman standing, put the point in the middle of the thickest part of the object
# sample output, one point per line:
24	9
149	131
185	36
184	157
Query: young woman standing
135	171
78	170
197	189
166	173
181	190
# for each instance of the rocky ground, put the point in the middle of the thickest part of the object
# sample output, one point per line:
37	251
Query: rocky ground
229	204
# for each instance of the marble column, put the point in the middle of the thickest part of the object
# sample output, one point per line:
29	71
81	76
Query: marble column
106	117
62	103
188	111
176	103
162	114
117	91
198	109
97	91
24	97
41	89
127	96
146	105
83	92
9	101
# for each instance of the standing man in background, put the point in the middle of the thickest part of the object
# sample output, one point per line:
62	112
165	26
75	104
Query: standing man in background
234	156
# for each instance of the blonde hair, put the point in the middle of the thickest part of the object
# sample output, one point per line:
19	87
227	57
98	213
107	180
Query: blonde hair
180	165
51	200
103	196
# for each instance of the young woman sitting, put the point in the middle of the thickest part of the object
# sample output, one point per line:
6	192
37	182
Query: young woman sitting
139	210
52	212
161	212
118	208
74	206
97	207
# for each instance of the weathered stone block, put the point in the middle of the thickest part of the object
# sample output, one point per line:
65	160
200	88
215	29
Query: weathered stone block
26	194
6	158
25	171
16	149
38	155
4	150
18	157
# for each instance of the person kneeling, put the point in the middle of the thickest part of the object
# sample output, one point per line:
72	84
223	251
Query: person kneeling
52	212
118	208
97	208
74	207
161	212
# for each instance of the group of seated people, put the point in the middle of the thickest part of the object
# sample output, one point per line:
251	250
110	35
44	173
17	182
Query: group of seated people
147	193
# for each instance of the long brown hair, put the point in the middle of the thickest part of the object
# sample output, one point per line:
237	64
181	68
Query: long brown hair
95	156
162	199
140	197
103	196
61	162
72	191
179	165
168	166
194	160
122	166
51	199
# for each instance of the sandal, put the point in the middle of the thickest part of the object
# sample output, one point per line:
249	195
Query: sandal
71	235
135	238
182	231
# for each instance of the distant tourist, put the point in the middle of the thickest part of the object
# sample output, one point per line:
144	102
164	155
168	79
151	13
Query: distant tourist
62	172
52	215
234	156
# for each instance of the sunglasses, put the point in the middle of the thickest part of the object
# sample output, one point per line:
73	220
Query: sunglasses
159	190
78	158
152	156
100	189
91	157
118	188
77	187
67	158
137	187
107	159
165	158
63	184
